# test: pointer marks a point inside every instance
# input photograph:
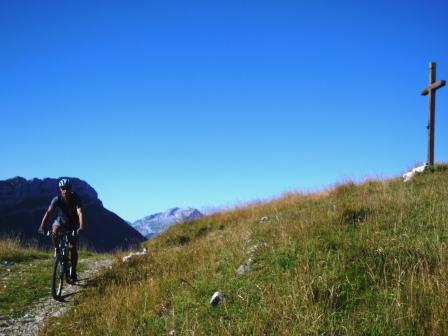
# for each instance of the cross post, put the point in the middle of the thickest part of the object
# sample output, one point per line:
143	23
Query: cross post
431	92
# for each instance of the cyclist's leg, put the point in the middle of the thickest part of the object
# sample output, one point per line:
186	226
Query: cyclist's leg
73	246
56	227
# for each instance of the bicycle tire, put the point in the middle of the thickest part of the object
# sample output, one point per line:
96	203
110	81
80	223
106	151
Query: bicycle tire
58	278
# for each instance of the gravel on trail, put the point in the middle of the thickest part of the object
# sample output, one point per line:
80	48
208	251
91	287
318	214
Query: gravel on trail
37	315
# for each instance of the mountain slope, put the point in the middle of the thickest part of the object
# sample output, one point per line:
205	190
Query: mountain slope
23	203
155	224
367	259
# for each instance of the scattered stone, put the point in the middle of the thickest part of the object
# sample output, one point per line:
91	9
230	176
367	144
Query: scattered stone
172	333
127	257
264	219
249	262
257	246
216	298
60	312
244	267
409	175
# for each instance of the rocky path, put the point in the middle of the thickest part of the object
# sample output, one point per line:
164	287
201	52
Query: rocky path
35	317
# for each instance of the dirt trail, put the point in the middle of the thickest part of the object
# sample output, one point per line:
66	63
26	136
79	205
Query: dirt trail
36	316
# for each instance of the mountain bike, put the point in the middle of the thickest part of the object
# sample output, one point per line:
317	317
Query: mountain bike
61	266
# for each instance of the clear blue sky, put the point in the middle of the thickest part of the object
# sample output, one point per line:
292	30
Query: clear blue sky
212	104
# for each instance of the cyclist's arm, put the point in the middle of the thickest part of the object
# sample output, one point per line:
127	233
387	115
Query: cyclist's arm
47	215
81	218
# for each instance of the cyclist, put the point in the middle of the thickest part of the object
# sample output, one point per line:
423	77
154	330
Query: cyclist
69	218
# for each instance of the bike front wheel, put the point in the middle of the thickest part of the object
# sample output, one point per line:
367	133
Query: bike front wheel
58	278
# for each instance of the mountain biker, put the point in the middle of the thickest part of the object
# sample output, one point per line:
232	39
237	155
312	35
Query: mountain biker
69	218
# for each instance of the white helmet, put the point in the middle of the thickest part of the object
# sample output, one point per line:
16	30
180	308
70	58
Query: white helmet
65	183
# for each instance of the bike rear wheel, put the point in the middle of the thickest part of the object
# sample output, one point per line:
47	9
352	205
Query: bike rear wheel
58	278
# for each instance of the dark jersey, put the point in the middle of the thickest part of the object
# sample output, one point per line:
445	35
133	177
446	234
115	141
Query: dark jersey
67	214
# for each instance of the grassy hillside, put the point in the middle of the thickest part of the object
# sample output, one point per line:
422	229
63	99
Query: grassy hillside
367	259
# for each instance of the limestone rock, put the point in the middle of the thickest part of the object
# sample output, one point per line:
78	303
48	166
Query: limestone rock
216	299
409	175
245	267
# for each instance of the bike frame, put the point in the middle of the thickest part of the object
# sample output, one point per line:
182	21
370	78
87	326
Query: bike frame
61	264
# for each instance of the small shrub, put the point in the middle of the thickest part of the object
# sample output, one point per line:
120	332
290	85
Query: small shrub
182	239
355	215
202	231
287	260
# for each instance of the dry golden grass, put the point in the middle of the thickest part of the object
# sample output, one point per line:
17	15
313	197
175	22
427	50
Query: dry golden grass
368	258
8	246
11	249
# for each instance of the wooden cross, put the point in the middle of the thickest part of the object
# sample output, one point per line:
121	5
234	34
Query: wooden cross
431	92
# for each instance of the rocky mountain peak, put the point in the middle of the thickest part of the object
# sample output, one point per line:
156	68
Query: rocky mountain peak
155	224
23	203
18	190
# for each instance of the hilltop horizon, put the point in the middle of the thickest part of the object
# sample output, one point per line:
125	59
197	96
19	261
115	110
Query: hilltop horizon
229	206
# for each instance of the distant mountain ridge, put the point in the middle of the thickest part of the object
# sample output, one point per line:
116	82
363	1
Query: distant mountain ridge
23	203
155	224
18	191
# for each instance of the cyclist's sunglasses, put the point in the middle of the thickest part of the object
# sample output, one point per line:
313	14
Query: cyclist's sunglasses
64	188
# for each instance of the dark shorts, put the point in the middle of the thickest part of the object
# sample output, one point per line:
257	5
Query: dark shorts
62	227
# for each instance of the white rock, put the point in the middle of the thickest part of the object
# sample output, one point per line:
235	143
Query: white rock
127	257
264	219
409	175
216	298
244	267
257	246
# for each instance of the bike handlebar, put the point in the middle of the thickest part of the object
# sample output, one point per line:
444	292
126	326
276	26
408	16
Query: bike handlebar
73	233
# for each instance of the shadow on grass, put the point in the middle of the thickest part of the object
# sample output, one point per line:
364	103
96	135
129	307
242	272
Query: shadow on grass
64	297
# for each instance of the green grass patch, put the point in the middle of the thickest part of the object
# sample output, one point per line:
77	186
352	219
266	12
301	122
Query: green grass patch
22	284
25	278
